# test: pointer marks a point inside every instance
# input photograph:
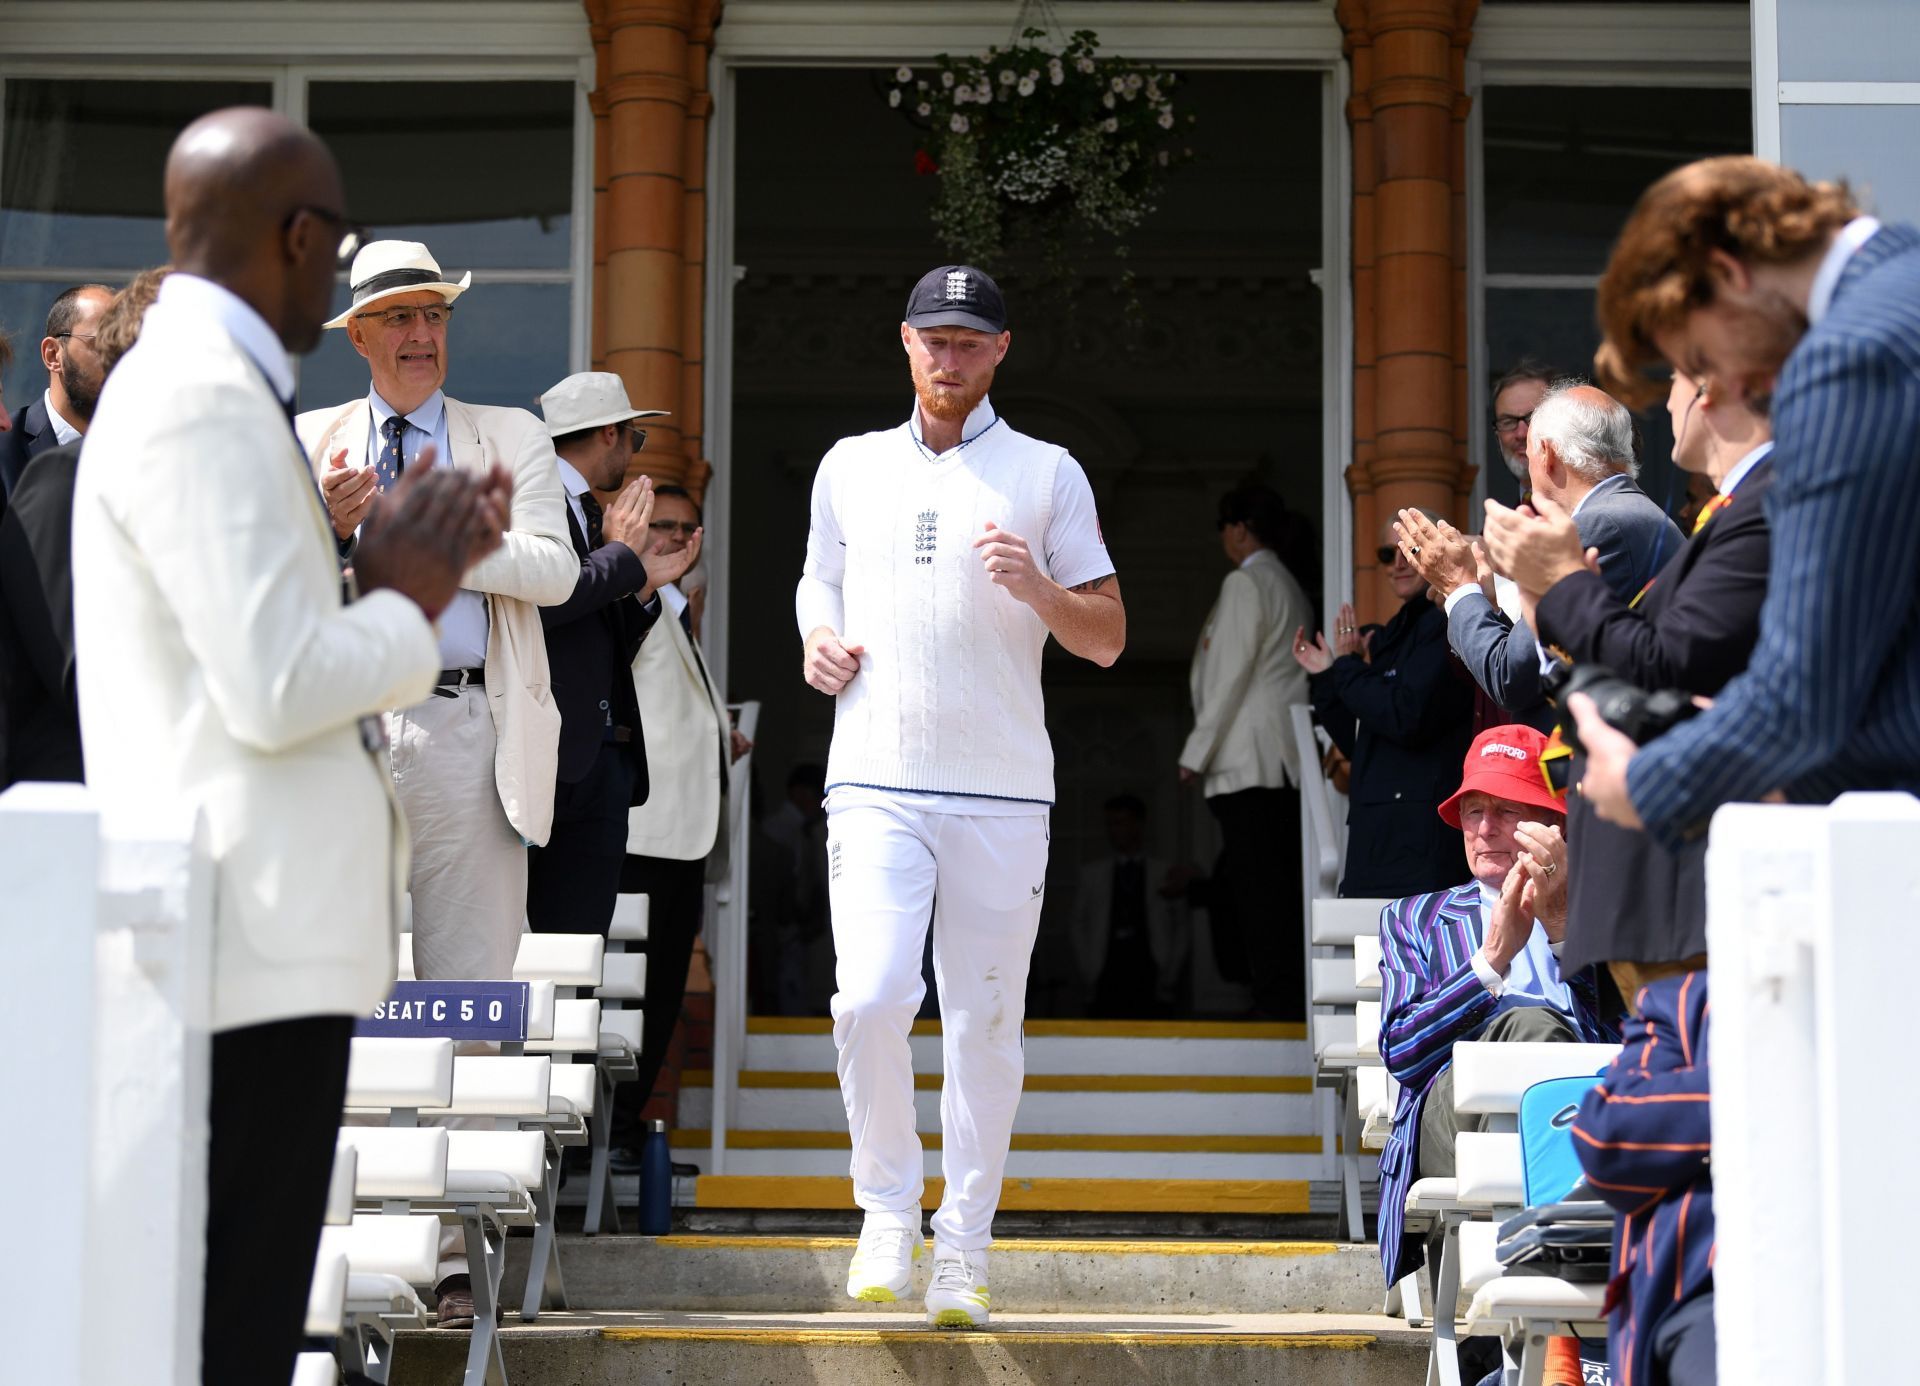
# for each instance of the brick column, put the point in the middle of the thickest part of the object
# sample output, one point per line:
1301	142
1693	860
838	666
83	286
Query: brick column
650	110
1408	111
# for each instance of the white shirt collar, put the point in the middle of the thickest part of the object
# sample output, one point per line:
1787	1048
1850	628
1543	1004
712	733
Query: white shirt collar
1731	481
675	599
190	294
426	418
1248	560
1853	235
1598	487
570	477
979	421
63	432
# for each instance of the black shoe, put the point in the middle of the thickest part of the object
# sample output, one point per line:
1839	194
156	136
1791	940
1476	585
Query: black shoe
623	1160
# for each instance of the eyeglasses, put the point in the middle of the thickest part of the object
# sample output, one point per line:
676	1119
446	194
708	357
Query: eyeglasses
87	337
1508	423
1387	553
639	437
684	528
353	235
433	315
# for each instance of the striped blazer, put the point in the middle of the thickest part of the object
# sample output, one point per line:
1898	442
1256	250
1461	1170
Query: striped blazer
1831	698
1430	999
1645	1141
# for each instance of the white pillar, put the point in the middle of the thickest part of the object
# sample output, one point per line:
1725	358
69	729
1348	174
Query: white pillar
105	1085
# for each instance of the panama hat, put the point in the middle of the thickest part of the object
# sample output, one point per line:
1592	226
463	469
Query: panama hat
589	399
385	268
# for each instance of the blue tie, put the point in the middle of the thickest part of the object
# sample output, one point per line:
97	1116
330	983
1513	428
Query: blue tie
391	462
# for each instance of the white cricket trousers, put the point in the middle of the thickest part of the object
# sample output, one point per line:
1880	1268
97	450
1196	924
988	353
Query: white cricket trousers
980	881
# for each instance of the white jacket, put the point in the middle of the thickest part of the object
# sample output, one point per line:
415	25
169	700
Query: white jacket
1244	678
534	566
687	731
220	669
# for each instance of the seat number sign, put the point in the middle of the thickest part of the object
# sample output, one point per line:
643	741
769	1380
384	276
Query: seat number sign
451	1010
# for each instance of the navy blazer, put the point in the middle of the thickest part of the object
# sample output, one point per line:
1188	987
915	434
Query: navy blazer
32	434
1629	898
1831	698
39	707
1404	719
592	638
1634	537
1646	1143
1430	999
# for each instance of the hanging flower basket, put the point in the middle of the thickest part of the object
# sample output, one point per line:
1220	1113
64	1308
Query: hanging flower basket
1039	151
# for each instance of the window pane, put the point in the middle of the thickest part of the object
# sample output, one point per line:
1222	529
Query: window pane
1564	165
482	172
507	344
81	169
1557	325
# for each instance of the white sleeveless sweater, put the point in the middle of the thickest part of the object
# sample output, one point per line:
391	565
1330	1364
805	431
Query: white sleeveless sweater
948	696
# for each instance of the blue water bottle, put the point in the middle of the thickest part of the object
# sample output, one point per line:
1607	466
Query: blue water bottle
656	1182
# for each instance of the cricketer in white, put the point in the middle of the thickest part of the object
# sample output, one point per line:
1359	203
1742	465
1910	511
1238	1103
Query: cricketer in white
924	609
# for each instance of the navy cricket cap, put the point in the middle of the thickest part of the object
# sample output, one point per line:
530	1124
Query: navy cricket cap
957	296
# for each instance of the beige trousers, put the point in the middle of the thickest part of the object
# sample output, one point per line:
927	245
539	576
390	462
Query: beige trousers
469	876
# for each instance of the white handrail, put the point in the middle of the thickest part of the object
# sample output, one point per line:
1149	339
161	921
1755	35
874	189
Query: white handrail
727	945
1320	847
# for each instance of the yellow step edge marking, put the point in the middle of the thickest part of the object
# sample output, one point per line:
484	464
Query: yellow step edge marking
1035	1082
1023	1195
694	1138
895	1337
1066	1246
1070	1029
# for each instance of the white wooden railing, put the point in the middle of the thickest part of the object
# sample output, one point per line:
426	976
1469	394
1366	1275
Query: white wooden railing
727	945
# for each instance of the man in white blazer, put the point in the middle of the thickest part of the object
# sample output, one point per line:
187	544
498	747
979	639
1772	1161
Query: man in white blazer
222	670
474	763
677	840
1241	751
1132	942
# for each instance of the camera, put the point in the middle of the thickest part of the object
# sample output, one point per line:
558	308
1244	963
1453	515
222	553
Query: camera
1641	715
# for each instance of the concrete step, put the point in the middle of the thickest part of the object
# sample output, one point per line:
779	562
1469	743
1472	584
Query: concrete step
868	1349
758	1274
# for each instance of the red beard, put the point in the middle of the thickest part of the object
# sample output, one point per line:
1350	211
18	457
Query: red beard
948	404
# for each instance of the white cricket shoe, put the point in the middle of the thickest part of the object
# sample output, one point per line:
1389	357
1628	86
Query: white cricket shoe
882	1268
958	1297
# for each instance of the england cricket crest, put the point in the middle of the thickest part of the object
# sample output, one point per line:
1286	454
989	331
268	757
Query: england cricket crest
926	536
959	286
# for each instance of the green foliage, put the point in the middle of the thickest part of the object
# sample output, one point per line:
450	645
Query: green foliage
1042	153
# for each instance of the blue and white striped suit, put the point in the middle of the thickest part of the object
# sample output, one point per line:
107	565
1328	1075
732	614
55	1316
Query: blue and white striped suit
1431	998
1831	698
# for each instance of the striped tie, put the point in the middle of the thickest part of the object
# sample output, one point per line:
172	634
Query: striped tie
391	462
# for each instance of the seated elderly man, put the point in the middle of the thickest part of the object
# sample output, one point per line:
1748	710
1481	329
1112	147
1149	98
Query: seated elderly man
1477	962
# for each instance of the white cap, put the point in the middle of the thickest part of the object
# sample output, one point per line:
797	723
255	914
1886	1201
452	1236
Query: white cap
385	268
589	400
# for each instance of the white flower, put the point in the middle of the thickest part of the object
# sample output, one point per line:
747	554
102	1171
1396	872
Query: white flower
1033	74
925	108
903	74
893	97
1008	76
1026	87
1119	84
1083	65
1130	93
1163	156
1107	101
1056	70
1110	124
1134	81
1166	120
946	79
962	95
984	92
958	124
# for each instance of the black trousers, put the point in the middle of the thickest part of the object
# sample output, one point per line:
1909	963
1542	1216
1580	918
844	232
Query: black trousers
573	880
274	1110
1254	900
676	891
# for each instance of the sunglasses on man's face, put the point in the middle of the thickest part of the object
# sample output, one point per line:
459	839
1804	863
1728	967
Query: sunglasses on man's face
1387	553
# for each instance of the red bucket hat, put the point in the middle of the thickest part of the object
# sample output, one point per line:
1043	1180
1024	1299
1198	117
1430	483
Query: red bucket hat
1505	762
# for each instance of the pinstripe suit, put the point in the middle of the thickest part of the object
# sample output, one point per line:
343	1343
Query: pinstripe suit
1645	1141
1831	698
1430	999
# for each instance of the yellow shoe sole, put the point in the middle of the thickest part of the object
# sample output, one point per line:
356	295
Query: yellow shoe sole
955	1318
876	1294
